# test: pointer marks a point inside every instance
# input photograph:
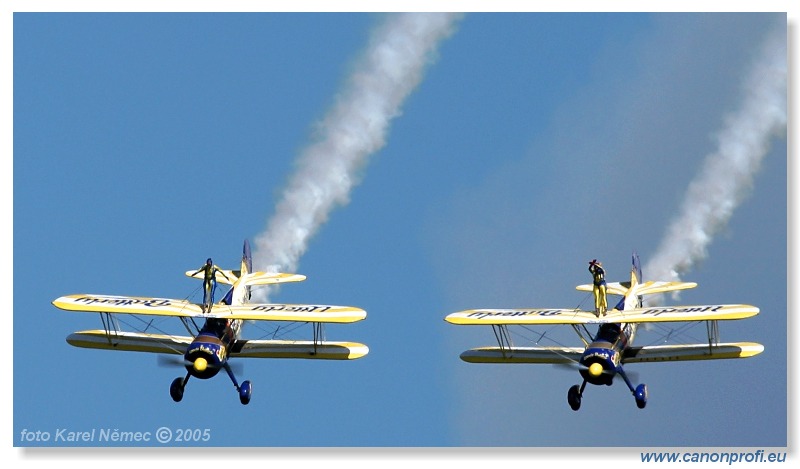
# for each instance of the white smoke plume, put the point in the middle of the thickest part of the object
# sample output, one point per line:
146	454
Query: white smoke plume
355	128
727	174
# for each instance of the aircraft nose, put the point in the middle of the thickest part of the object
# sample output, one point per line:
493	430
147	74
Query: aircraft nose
595	370
200	364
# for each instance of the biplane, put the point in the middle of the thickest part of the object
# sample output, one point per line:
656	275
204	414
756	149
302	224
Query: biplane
215	334
603	354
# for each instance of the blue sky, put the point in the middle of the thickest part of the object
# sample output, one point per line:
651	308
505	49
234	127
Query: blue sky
145	143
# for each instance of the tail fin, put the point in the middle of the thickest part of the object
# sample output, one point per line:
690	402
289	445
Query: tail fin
641	288
637	288
244	290
247	259
636	270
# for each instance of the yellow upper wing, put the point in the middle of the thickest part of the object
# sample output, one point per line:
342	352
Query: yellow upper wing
521	316
128	305
183	308
573	316
683	313
283	312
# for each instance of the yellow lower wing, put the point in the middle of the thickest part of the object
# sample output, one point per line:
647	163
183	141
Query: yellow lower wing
662	353
130	341
553	355
303	349
176	345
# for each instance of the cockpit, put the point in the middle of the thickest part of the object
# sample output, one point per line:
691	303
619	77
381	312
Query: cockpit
215	326
608	332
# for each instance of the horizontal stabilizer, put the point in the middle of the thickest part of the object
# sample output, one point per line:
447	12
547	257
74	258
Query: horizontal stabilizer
661	353
650	288
265	278
646	288
299	349
554	355
227	277
612	288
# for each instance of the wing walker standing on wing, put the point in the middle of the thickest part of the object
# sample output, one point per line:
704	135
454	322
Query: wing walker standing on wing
217	339
209	282
599	290
602	356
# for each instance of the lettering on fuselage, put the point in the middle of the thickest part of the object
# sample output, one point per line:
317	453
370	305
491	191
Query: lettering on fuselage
517	313
698	309
210	350
149	302
292	308
603	354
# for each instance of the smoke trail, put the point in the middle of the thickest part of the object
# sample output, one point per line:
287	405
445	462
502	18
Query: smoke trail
355	128
727	174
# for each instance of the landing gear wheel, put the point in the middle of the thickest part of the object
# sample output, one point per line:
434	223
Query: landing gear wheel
176	389
574	397
641	395
245	391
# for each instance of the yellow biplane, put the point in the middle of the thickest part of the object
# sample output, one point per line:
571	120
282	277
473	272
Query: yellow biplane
210	346
604	353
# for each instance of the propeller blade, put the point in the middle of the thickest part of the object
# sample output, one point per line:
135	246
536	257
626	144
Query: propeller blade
173	361
575	366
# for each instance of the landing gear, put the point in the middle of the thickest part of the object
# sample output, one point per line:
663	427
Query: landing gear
641	395
245	390
574	396
176	388
575	393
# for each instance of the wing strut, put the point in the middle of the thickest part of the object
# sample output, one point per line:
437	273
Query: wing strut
109	326
581	335
712	328
185	322
503	338
319	335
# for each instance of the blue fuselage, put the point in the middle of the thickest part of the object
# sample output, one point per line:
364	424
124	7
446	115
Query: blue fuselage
212	344
606	349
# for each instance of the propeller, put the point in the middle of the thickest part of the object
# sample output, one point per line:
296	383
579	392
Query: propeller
200	364
171	361
598	369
